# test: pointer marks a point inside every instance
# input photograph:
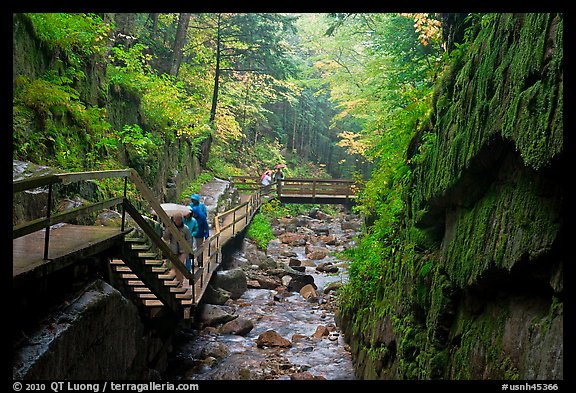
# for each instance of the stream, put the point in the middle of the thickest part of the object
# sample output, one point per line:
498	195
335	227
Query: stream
280	324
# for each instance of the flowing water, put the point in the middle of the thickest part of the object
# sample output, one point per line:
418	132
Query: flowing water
207	355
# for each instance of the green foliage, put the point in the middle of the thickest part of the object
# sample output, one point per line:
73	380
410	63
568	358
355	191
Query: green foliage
165	106
53	119
78	36
196	185
260	231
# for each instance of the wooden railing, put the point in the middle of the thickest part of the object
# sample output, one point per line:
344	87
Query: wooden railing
226	224
311	187
67	178
317	187
237	218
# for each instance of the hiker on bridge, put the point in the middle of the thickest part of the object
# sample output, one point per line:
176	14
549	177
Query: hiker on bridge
175	246
278	177
266	179
203	230
192	225
195	201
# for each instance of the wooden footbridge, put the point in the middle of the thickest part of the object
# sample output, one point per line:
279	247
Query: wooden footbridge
139	262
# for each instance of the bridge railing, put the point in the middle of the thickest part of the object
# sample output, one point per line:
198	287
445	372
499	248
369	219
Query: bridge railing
317	187
239	217
311	187
45	223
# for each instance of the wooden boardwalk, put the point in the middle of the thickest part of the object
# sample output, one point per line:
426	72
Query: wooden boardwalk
144	266
67	244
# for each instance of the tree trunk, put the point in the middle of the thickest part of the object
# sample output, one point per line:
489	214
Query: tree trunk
294	132
154	17
179	42
216	74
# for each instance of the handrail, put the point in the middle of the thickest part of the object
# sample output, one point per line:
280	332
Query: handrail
291	187
250	207
244	211
168	223
71	177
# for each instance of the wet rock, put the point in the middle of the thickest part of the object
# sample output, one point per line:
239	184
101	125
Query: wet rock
298	337
215	295
308	291
267	282
267	263
271	338
215	350
300	280
238	326
212	315
236	261
327	267
281	295
353	225
321	331
254	284
333	286
286	280
321	229
293	239
294	262
317	253
305	376
233	281
329	239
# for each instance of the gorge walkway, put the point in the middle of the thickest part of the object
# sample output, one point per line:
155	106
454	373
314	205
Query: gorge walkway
138	261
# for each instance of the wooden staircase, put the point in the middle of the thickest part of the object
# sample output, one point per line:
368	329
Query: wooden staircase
150	279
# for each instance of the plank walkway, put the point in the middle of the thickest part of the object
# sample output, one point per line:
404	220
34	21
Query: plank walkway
152	280
67	243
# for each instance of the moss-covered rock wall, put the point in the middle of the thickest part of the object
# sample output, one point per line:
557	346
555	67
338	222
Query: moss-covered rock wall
45	125
476	291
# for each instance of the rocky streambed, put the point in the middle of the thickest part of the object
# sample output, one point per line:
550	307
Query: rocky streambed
270	315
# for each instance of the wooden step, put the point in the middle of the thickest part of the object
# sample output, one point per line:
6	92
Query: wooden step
143	246
147	255
178	290
186	302
117	262
141	289
153	303
147	296
159	269
129	276
173	283
167	276
135	283
153	262
185	295
135	239
122	269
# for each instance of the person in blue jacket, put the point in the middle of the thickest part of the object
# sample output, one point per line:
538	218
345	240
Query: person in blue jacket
195	201
192	225
203	229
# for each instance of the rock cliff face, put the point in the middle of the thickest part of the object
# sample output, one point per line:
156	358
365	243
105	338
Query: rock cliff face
97	335
479	289
166	170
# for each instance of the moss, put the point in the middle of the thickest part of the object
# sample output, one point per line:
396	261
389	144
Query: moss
504	93
510	85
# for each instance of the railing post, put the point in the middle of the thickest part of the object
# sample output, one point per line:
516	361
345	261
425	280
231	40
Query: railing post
123	209
234	223
313	188
48	212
